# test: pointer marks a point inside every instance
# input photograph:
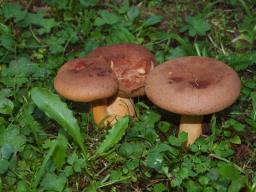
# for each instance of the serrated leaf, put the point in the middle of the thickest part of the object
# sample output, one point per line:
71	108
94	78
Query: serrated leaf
114	135
182	138
106	18
20	71
196	25
15	11
55	109
12	137
239	61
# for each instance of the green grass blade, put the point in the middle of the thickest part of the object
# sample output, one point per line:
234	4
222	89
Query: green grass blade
42	169
114	136
55	109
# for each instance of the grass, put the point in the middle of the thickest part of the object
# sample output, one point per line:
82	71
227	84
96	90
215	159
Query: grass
49	144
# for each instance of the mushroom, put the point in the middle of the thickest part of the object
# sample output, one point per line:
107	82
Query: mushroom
87	80
192	86
131	63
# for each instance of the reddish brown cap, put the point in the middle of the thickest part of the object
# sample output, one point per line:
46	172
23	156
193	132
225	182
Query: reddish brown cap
193	85
86	79
131	64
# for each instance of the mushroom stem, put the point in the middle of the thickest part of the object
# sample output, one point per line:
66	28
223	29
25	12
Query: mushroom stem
99	111
191	125
107	112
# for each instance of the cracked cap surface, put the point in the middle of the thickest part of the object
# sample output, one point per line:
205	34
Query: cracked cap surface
131	63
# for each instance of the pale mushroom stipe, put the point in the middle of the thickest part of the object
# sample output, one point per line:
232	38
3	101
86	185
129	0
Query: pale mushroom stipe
192	87
131	63
86	80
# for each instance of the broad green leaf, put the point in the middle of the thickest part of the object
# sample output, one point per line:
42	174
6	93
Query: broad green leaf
152	20
4	164
236	140
22	187
131	150
116	175
238	184
177	52
60	152
228	171
88	3
6	106
236	125
133	13
159	187
7	42
223	149
6	151
192	186
120	35
1	185
150	118
114	135
155	160
164	126
55	109
155	157
52	182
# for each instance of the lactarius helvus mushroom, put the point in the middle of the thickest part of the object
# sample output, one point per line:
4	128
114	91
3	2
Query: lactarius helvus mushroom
87	80
192	86
131	64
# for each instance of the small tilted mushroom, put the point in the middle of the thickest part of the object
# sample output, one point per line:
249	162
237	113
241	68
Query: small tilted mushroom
86	80
131	63
193	86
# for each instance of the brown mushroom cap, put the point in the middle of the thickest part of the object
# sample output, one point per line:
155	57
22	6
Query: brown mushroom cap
131	64
86	79
193	85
